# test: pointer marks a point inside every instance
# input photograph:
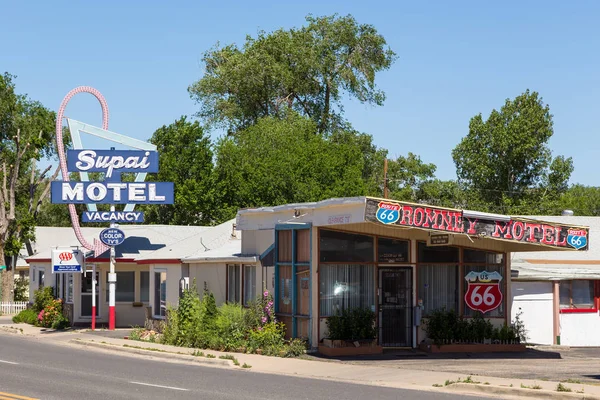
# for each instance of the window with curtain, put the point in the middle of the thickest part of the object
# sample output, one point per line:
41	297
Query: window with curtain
438	287
160	293
125	288
233	283
497	312
144	286
576	294
249	284
345	247
346	286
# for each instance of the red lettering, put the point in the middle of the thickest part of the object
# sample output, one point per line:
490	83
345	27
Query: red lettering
431	218
419	216
472	225
532	229
458	222
547	232
502	230
557	238
446	219
406	215
518	230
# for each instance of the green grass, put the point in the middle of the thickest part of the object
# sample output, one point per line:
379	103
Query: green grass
211	356
246	366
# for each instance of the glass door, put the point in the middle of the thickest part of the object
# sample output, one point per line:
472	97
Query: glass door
395	307
86	294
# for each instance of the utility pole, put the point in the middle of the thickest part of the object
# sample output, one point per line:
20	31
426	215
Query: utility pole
385	178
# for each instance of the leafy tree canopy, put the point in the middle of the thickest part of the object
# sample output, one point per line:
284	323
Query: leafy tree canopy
307	70
505	163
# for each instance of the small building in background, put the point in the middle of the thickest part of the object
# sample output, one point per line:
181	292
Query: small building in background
557	294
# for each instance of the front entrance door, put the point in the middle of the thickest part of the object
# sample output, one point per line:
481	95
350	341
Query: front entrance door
395	307
86	294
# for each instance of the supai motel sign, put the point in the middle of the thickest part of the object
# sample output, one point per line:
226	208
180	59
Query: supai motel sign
112	191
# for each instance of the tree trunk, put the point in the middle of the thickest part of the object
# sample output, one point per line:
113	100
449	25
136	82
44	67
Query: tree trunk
8	278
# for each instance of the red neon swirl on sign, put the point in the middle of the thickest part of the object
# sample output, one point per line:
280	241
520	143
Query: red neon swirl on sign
98	247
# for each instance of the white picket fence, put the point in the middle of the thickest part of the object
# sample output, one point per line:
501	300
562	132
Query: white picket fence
12	307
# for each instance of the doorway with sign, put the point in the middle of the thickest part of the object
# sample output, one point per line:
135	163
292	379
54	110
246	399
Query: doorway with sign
86	294
395	307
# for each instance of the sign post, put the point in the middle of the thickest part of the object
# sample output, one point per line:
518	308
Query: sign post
94	297
111	164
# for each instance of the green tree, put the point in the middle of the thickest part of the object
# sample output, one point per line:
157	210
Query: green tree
26	133
582	200
505	163
186	158
308	70
279	161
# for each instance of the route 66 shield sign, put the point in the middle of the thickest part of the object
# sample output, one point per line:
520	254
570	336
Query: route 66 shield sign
387	212
483	291
577	238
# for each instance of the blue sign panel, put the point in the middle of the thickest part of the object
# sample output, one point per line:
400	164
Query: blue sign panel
66	268
114	216
112	236
112	161
112	192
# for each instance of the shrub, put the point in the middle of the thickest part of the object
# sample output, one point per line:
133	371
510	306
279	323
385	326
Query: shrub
27	316
43	297
269	338
188	318
52	317
352	324
443	326
231	327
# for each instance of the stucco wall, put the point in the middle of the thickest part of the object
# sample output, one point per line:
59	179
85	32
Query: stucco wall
255	242
580	329
215	277
534	300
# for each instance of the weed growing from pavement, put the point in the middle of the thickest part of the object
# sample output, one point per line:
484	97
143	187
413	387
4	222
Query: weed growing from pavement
535	386
246	366
486	383
468	380
437	385
211	356
198	353
449	382
230	357
571	380
144	348
562	388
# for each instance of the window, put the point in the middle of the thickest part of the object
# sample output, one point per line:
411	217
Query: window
145	286
437	254
125	288
346	286
160	293
249	284
233	283
438	287
576	294
345	247
41	278
392	250
69	298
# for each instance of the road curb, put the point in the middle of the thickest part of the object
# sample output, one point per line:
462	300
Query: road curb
153	353
519	392
10	329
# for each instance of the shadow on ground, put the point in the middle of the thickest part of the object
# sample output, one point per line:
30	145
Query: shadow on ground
390	355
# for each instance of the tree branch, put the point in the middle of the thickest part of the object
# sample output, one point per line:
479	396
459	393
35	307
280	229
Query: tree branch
45	192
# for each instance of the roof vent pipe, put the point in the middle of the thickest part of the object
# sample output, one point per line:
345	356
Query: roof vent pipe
567	213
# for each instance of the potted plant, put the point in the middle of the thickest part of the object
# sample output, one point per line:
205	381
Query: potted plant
351	332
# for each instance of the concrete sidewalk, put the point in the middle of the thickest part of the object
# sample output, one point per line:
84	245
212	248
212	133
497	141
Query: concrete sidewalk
377	375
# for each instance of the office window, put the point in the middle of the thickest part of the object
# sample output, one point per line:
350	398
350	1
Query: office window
144	286
576	294
125	290
249	284
160	293
346	286
233	283
438	287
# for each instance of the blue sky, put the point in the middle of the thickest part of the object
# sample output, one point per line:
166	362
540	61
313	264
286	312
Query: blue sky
455	60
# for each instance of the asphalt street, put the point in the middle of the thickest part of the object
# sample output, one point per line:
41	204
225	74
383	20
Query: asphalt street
42	370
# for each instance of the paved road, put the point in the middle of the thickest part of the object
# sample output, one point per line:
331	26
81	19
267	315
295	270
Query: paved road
42	370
